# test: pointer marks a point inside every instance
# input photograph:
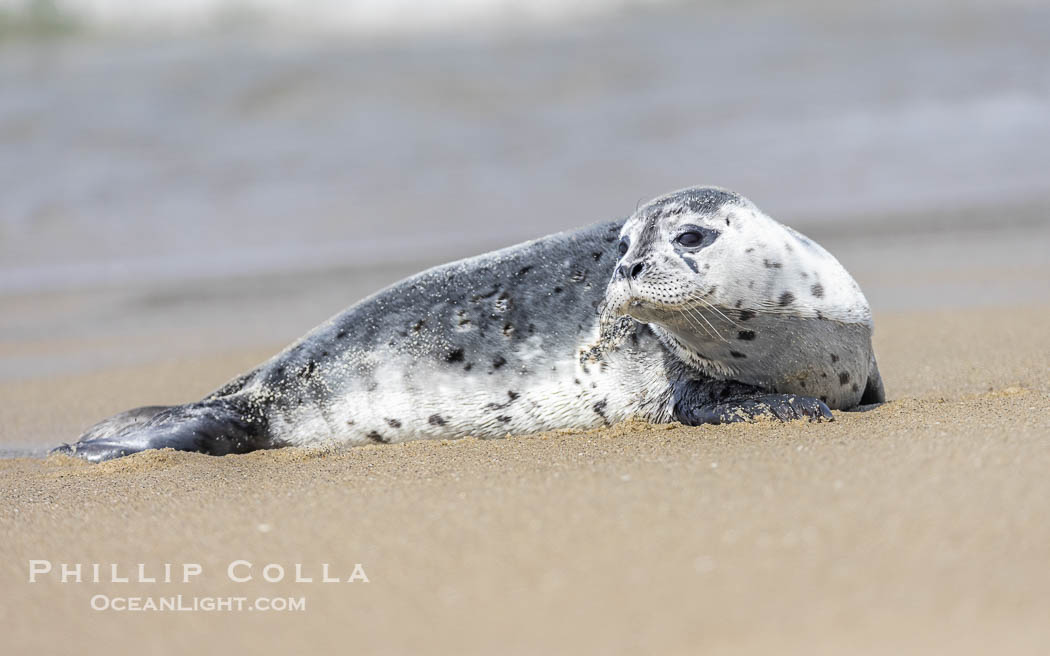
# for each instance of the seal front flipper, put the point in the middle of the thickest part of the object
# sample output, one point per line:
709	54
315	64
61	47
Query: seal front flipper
724	402
216	427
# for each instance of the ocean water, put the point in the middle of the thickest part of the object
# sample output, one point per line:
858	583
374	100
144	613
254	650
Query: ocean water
145	148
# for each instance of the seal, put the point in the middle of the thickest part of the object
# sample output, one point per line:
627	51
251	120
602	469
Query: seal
698	308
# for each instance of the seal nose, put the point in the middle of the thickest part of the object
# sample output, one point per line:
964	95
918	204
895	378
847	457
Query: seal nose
632	271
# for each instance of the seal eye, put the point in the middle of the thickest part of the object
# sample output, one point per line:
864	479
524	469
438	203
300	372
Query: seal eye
622	247
690	239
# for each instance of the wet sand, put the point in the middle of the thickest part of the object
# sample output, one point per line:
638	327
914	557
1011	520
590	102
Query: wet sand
918	526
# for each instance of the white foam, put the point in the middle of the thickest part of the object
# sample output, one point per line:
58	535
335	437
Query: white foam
369	17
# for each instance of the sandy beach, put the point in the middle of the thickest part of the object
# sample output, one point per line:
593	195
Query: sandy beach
916	526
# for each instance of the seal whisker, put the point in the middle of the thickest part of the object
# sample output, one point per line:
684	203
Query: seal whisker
695	311
692	322
697	297
717	332
694	319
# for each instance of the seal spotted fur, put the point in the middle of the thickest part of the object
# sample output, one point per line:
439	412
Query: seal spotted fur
740	296
575	330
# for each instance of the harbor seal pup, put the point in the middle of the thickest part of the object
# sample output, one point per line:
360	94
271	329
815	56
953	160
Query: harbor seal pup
698	308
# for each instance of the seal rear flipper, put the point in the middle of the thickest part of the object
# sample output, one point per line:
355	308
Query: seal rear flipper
725	402
123	421
215	427
873	391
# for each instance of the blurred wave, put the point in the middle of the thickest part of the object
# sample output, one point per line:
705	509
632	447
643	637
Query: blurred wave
359	17
143	160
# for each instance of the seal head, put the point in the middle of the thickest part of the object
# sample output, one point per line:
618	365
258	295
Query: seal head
739	296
